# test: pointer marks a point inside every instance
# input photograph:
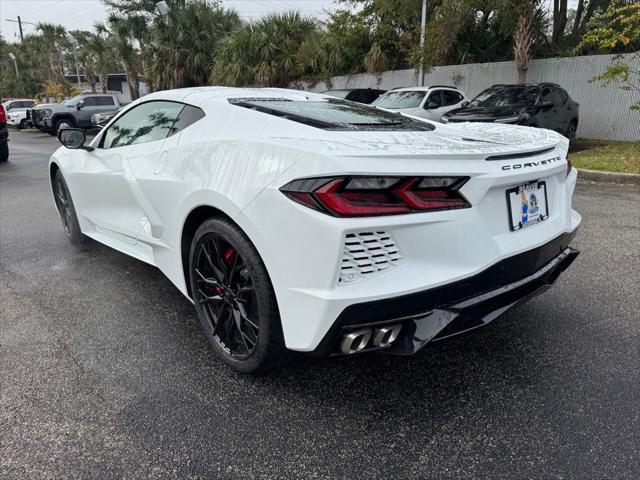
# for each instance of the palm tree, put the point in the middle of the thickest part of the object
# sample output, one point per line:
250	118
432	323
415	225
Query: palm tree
53	39
98	46
267	52
183	44
122	39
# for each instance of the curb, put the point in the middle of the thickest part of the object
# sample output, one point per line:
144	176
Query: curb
609	177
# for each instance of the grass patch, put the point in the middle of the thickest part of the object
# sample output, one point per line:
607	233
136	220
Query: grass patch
606	155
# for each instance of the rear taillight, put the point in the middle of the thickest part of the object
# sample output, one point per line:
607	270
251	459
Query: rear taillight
373	196
3	115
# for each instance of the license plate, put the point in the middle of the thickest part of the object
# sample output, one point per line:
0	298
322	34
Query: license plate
527	205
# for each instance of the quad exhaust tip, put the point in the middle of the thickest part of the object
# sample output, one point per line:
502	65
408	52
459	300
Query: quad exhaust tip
380	337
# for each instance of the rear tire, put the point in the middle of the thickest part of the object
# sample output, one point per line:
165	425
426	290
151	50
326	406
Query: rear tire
23	124
67	210
234	298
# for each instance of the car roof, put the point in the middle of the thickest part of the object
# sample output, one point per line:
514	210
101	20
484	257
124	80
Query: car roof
423	89
526	84
198	95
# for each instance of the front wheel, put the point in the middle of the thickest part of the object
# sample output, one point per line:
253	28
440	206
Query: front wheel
67	210
234	298
62	123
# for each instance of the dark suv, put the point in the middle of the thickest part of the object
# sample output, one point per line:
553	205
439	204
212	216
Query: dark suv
544	105
360	95
4	135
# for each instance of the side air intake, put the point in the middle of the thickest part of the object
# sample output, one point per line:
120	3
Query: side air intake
367	254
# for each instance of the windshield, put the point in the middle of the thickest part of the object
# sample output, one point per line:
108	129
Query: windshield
332	114
72	102
506	96
403	99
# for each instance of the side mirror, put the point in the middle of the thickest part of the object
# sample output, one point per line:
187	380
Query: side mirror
8	108
79	105
73	138
546	105
464	104
431	104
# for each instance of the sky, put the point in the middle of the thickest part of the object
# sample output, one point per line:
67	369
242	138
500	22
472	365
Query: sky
82	14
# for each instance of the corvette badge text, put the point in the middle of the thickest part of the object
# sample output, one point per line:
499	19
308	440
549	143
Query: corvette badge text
516	166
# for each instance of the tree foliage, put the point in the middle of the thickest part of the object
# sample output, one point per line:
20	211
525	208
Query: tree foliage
617	30
199	42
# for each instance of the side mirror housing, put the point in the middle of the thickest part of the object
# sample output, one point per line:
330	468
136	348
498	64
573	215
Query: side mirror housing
79	105
464	104
431	104
73	138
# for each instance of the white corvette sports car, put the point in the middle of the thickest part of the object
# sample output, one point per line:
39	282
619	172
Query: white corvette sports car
299	221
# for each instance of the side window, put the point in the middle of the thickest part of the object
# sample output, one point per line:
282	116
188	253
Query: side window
188	116
355	96
451	97
545	95
434	100
559	97
90	101
105	102
146	122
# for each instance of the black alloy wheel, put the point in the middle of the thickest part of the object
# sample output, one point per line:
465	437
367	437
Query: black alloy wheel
66	209
234	297
225	290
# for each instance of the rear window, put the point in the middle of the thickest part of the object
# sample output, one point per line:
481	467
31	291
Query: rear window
337	93
332	114
397	100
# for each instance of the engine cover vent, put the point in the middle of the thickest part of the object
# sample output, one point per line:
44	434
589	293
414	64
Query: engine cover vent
367	254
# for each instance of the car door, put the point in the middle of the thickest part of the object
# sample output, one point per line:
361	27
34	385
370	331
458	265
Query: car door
93	104
111	199
157	182
562	115
545	114
433	106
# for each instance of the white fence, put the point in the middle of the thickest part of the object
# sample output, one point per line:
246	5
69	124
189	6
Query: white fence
604	112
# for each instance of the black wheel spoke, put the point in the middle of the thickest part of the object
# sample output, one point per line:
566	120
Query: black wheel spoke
225	293
207	281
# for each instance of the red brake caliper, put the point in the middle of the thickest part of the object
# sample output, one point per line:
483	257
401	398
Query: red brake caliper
228	255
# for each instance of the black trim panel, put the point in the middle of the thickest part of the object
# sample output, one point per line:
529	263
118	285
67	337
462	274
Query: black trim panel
502	278
510	156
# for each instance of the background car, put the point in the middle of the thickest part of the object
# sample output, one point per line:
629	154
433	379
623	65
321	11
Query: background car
331	228
4	135
99	120
16	110
75	112
544	105
18	119
424	102
360	95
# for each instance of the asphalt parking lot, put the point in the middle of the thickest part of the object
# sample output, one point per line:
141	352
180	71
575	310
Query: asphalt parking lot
104	372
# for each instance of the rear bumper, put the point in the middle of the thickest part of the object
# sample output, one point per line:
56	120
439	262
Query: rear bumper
451	309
